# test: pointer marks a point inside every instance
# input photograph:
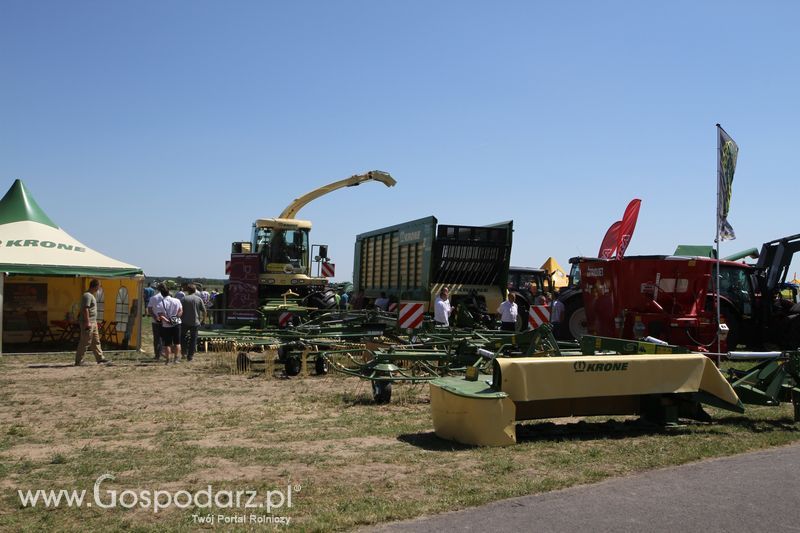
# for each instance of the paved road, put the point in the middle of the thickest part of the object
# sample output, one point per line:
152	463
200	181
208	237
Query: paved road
757	491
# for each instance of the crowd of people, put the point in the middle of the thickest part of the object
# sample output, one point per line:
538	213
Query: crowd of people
176	319
507	312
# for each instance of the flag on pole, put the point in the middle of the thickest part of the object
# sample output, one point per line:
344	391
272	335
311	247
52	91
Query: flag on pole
727	151
609	245
627	226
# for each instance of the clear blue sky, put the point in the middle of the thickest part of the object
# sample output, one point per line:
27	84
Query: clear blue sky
156	132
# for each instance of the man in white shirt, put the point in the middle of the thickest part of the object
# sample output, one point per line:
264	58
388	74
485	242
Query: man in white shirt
169	314
508	313
441	308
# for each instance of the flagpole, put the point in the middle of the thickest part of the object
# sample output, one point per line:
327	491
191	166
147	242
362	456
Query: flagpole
716	240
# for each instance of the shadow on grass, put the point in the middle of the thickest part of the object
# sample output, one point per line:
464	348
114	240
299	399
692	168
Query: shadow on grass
430	442
609	429
755	425
352	399
550	432
584	431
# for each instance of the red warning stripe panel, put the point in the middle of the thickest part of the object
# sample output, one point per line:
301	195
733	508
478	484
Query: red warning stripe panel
284	319
227	268
411	315
328	270
538	315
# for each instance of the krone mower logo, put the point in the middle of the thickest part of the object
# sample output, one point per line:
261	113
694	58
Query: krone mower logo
583	366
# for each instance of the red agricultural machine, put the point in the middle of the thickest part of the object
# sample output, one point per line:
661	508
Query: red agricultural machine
656	296
673	298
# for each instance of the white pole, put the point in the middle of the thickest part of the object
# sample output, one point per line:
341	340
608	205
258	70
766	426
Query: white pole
716	240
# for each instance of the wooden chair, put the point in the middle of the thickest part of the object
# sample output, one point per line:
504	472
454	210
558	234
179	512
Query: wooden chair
67	331
108	331
40	330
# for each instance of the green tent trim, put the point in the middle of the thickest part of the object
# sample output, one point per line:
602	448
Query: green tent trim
67	270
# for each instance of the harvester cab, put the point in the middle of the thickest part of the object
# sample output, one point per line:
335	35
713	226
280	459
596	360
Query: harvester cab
282	246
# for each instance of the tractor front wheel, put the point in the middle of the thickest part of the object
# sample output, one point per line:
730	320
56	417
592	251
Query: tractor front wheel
321	300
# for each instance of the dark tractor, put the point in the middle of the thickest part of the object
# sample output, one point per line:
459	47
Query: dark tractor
527	285
574	324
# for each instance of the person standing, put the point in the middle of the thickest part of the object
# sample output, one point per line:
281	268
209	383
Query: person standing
557	316
360	301
537	297
441	308
149	292
169	315
194	313
205	296
382	303
152	305
508	313
87	321
214	300
344	299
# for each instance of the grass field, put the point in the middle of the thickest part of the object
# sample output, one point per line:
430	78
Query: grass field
349	462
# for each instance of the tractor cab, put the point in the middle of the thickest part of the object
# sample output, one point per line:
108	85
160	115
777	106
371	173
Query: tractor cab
574	274
529	281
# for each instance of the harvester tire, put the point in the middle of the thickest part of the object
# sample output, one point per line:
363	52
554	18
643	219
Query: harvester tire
382	391
292	366
321	366
322	300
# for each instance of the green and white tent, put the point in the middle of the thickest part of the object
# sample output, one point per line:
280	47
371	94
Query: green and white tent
44	270
31	243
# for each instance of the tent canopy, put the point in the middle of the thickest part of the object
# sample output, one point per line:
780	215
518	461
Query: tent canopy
31	243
